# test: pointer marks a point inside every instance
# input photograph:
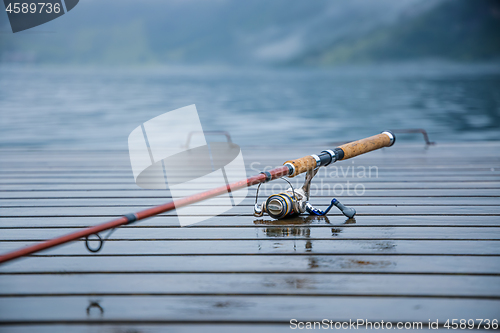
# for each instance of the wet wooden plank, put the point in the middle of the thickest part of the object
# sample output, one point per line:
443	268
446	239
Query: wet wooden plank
441	149
486	169
93	324
249	201
138	193
357	187
354	264
249	284
247	211
332	233
281	309
489	167
283	246
246	222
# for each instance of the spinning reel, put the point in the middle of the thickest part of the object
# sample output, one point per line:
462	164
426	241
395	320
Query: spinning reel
293	202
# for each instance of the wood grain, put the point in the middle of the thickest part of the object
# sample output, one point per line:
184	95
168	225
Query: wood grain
425	244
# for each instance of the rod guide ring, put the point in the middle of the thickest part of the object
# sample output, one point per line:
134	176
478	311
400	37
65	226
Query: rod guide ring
333	157
391	136
291	169
318	160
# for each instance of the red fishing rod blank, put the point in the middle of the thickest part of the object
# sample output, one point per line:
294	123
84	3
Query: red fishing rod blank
290	168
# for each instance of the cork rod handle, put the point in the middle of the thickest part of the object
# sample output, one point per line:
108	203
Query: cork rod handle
344	152
302	165
366	145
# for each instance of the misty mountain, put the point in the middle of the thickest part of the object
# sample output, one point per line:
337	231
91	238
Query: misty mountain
222	32
456	30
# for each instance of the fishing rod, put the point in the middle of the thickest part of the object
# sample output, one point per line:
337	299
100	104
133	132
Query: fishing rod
285	204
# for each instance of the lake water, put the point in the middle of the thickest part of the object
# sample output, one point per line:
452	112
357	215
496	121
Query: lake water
98	108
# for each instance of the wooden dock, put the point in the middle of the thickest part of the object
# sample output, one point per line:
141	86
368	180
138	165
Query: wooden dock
425	245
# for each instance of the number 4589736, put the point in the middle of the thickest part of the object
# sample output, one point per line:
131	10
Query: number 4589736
32	8
471	324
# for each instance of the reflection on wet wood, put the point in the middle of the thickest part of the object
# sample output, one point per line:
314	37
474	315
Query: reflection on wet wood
425	244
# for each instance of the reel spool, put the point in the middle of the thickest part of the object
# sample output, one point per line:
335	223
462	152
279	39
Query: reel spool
281	205
293	202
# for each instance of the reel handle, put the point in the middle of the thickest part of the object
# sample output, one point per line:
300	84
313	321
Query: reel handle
344	152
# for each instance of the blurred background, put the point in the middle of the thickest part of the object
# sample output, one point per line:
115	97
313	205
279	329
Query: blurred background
268	72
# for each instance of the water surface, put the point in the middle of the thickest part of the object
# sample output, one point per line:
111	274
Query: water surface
98	108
